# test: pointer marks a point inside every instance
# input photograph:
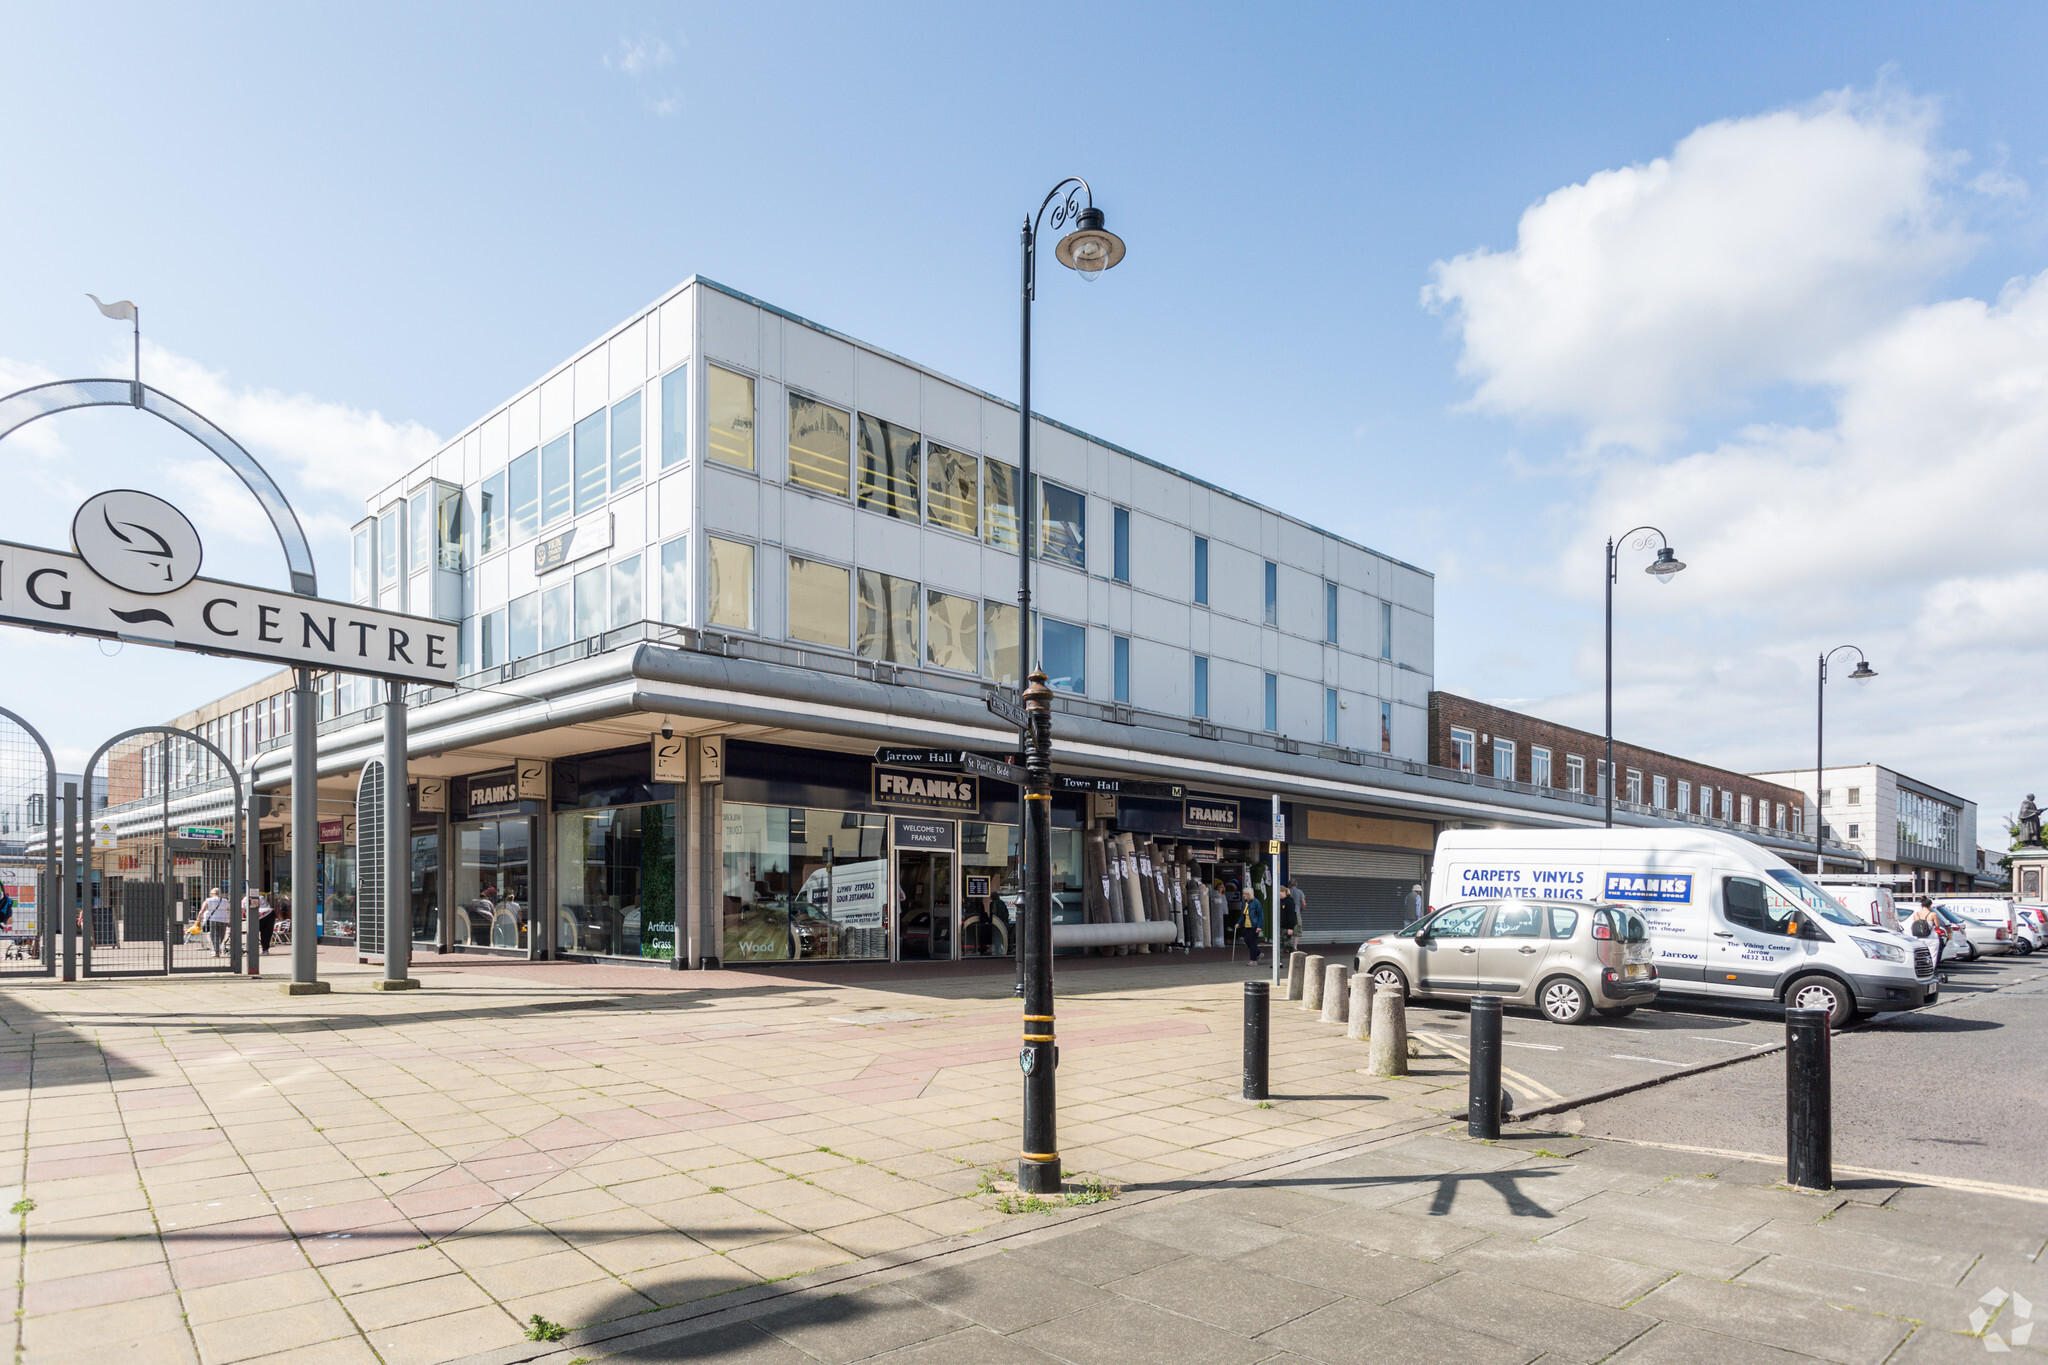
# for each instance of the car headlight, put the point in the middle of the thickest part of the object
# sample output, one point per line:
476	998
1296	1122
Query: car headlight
1883	952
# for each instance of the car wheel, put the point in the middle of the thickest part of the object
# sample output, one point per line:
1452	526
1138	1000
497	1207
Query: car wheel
1618	1012
1389	978
1822	993
1563	1001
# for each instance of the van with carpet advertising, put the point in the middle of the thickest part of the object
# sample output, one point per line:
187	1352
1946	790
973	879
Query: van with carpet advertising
1728	919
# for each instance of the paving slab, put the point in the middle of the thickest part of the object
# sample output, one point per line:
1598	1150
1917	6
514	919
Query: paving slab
1810	1327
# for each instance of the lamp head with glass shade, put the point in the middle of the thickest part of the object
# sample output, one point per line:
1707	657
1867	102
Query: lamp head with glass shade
1864	672
1090	248
1665	566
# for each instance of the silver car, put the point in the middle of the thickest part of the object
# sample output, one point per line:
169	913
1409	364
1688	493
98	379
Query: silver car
1568	959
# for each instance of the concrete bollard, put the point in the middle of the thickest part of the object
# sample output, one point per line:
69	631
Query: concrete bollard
1312	982
1297	962
1358	1019
1336	993
1389	1055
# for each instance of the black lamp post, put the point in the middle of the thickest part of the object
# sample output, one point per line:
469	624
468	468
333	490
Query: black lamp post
1862	674
1662	568
1090	249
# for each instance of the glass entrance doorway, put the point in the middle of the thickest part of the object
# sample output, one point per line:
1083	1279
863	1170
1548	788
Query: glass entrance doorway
493	883
924	906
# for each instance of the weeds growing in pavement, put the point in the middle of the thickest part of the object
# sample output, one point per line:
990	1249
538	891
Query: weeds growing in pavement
1091	1190
23	1207
540	1329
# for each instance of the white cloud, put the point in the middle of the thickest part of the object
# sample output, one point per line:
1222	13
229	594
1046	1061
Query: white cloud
1750	255
638	55
1789	249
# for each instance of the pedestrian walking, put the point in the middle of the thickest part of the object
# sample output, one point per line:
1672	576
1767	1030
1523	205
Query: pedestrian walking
215	912
1415	902
1250	925
1924	923
275	908
1293	911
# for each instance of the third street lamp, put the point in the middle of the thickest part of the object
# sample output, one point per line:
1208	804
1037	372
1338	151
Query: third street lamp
1863	673
1090	249
1662	568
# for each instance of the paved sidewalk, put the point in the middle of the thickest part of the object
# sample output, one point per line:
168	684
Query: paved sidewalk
1426	1248
207	1169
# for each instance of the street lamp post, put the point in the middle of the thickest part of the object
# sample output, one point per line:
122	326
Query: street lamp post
1088	249
1662	568
1862	674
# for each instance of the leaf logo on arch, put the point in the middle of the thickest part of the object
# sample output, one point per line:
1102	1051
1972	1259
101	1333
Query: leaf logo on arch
137	542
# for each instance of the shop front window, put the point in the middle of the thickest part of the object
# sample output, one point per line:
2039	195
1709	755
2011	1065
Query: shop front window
615	881
801	883
426	887
991	870
337	901
493	887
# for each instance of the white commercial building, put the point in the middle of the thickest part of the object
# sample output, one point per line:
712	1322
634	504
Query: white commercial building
1902	826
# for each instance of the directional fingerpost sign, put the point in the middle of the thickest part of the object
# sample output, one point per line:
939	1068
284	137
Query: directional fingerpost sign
1006	707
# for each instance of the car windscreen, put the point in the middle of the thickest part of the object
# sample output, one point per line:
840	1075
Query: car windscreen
1815	899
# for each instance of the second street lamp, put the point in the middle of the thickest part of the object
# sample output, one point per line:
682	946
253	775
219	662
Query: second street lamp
1862	674
1088	249
1662	568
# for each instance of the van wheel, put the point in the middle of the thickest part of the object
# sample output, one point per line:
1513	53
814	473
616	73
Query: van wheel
1822	993
1389	978
1564	1001
1618	1012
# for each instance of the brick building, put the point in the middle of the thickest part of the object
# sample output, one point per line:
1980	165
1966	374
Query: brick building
1472	737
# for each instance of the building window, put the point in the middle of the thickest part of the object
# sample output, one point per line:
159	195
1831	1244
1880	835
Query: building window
1635	787
1061	513
555	482
1603	774
1202	686
557	616
363	570
1780	810
390	548
627	442
1660	792
590	463
1574	773
1329	715
419	516
999	503
1063	653
820	437
1386	630
1855	796
1462	744
1504	759
1329	613
675	581
1799	819
731	419
732	584
1746	810
1272	595
999	642
1855	831
818	598
1825	793
675	417
887	480
1120	545
1727	804
951	498
1120	667
886	619
490	515
1272	702
952	637
1539	767
1684	797
590	602
522	627
1202	570
627	607
522	496
1386	727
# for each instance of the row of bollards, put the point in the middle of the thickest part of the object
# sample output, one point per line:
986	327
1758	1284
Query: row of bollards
1369	1015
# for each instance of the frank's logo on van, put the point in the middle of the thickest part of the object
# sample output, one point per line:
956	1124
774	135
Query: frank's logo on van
1669	888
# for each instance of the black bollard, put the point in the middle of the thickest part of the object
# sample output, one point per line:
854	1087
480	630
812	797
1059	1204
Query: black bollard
1257	1014
1809	1100
1482	1111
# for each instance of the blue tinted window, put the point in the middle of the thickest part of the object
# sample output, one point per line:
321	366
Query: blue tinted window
1272	595
675	416
554	481
1201	686
1272	702
626	457
1063	654
1120	565
1330	612
1120	664
1202	570
590	463
1329	715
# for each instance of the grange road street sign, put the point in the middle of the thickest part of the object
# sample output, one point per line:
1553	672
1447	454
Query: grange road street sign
1006	707
50	590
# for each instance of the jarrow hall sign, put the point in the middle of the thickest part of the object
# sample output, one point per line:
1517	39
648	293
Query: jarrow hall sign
54	591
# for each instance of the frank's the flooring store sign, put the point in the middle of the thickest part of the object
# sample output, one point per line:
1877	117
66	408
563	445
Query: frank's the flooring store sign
926	790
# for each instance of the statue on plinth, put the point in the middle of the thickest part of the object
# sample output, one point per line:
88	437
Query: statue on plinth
2030	823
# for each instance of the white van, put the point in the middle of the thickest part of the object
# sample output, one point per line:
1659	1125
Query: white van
1867	901
1728	919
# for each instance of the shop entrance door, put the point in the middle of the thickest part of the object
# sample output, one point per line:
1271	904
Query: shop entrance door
924	906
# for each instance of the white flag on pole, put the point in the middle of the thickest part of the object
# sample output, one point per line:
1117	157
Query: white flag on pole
123	311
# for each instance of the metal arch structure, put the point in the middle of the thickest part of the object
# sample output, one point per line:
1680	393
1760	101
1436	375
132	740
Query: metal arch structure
242	856
20	408
49	896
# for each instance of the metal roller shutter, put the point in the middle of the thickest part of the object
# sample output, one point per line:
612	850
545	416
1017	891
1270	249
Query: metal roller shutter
1353	893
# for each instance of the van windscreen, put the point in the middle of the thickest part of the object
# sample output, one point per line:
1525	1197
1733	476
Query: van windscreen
1813	898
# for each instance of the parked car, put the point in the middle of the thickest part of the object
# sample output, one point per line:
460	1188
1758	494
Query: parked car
1956	933
1989	924
1567	960
2027	923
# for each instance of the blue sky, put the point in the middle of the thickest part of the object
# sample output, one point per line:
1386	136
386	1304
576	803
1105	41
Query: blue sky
371	223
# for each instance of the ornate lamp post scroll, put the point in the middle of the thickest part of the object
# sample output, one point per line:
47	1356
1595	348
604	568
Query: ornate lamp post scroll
1662	568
